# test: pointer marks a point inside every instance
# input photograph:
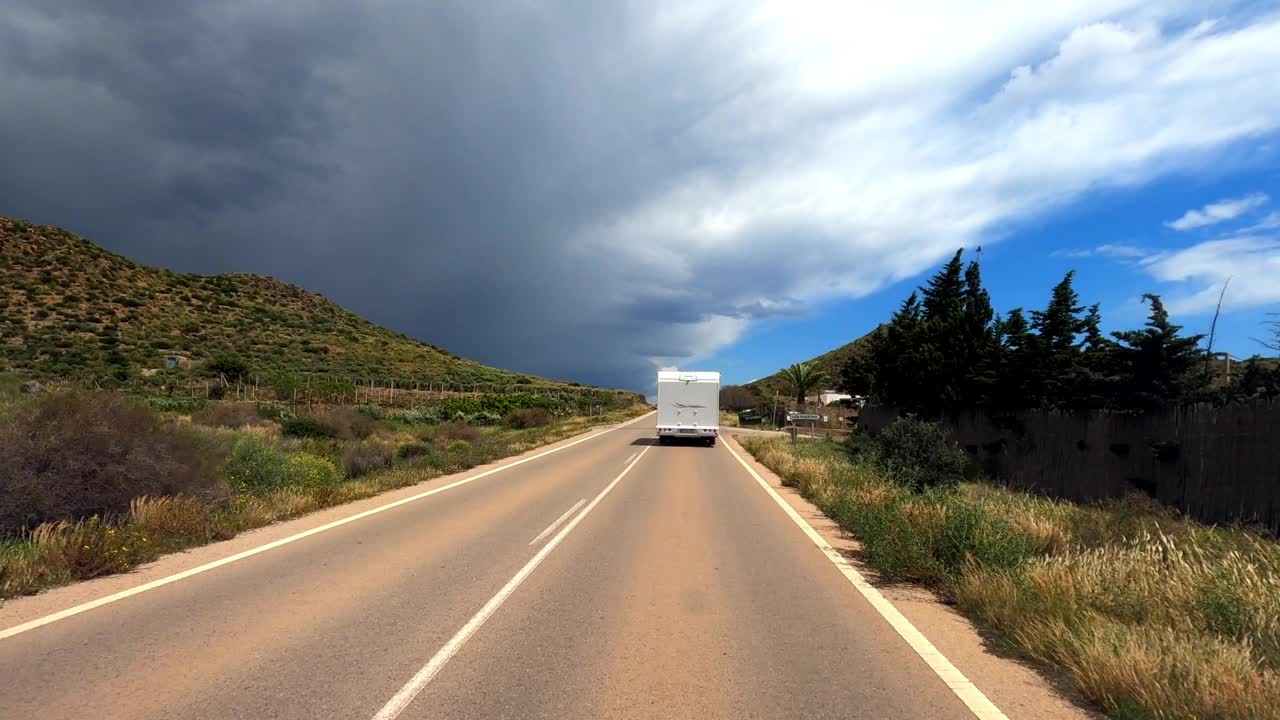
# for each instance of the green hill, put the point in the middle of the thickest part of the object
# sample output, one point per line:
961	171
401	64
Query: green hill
830	363
69	309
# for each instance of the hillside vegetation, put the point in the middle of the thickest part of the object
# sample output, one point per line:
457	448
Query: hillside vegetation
69	309
829	364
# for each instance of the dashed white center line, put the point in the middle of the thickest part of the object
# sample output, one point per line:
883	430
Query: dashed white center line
629	459
551	528
423	677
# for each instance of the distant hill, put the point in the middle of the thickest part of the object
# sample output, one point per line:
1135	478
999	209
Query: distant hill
68	308
830	363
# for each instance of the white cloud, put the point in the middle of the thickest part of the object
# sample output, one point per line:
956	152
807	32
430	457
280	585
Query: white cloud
1108	250
1252	264
1220	211
1270	222
851	155
1122	251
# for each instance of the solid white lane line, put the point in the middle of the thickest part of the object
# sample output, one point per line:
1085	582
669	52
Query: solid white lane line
559	520
969	694
85	607
401	700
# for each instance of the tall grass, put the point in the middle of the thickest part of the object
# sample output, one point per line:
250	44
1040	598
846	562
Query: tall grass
1151	615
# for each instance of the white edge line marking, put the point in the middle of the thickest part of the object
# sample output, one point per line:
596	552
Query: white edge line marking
968	693
85	607
405	696
559	520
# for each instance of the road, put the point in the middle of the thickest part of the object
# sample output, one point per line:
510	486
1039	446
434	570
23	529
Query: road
673	586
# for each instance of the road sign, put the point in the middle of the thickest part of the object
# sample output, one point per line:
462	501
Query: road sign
805	416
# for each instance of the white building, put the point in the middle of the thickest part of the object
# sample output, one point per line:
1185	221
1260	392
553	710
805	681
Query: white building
826	397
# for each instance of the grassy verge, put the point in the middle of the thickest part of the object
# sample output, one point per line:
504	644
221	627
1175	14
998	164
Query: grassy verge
239	470
1150	615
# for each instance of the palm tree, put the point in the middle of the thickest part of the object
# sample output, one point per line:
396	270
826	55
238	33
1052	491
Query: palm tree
803	377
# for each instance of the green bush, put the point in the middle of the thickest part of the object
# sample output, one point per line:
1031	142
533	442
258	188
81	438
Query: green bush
275	411
418	416
255	466
182	406
1224	608
229	365
374	411
306	426
311	471
916	454
970	533
498	405
462	455
930	536
413	450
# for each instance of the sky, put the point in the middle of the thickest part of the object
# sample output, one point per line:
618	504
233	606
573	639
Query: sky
591	191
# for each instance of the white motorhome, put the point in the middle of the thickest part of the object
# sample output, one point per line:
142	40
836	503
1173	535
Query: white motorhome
688	406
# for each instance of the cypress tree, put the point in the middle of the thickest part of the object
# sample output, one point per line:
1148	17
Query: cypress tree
945	292
1058	358
1155	363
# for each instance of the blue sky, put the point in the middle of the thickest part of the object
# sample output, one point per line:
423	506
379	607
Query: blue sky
1132	225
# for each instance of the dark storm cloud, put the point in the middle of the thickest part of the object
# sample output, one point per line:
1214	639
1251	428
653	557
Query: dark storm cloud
427	165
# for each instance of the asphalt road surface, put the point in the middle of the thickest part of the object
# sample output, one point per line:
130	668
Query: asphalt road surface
615	578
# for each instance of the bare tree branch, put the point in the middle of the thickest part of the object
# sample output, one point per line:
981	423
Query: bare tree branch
1274	326
1213	329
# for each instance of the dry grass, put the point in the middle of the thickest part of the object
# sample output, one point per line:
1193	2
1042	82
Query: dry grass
1152	616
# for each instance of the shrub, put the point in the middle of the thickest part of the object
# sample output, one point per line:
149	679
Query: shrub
462	454
359	459
311	471
229	415
418	416
275	411
182	406
256	466
454	430
348	423
307	426
374	411
413	450
527	418
70	455
916	454
227	365
486	418
497	404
